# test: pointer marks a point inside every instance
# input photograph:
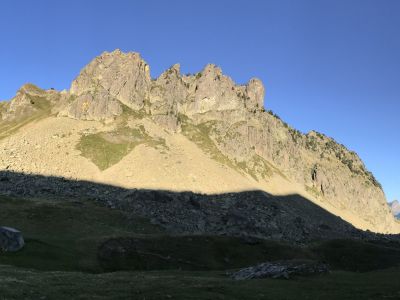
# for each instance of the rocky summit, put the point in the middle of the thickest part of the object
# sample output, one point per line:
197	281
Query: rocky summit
197	132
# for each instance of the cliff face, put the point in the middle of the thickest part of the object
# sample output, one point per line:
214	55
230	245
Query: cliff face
226	121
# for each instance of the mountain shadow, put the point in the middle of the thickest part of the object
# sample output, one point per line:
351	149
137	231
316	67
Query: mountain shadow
257	214
69	226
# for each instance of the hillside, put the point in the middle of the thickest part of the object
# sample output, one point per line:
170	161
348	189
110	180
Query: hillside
201	133
87	253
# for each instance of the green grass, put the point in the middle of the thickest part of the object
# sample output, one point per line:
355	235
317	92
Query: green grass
105	149
62	235
313	191
65	235
129	113
200	135
42	108
61	260
26	284
101	152
357	256
257	167
198	252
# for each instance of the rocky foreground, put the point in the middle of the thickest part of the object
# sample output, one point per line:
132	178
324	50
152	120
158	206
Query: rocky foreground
251	214
87	240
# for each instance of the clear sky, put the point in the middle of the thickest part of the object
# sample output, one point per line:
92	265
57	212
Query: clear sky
328	65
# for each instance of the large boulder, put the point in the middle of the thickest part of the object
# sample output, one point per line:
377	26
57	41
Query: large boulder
11	240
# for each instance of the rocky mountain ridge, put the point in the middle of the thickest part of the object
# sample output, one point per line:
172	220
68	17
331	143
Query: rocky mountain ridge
129	111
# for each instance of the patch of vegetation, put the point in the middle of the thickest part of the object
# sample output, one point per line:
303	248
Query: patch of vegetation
257	167
198	252
105	149
320	135
357	256
311	143
65	235
313	191
129	113
39	108
348	158
102	153
189	285
200	135
32	88
278	118
295	134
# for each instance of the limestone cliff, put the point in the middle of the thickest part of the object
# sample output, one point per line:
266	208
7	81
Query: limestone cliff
226	121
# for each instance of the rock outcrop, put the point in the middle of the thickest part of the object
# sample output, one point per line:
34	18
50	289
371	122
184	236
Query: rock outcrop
125	77
11	240
282	269
225	120
88	106
395	208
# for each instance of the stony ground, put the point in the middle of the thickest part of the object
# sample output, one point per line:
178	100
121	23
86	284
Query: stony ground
49	147
254	214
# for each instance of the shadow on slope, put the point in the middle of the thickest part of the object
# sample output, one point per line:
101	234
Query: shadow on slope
291	218
68	226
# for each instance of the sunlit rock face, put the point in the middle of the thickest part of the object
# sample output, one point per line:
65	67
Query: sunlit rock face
227	122
125	77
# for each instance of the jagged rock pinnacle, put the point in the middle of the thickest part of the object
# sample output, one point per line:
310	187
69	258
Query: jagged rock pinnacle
125	77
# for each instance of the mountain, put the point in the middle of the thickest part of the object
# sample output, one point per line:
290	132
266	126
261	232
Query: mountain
395	208
197	132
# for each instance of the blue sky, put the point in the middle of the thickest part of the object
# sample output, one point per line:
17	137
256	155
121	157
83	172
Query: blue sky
328	65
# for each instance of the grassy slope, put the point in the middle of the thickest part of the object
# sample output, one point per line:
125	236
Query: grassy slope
42	109
64	235
106	149
60	258
25	284
105	152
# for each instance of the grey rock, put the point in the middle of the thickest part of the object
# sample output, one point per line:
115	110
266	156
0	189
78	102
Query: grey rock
11	240
126	77
89	107
282	269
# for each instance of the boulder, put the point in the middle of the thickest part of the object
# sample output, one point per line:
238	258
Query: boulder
282	269
11	240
